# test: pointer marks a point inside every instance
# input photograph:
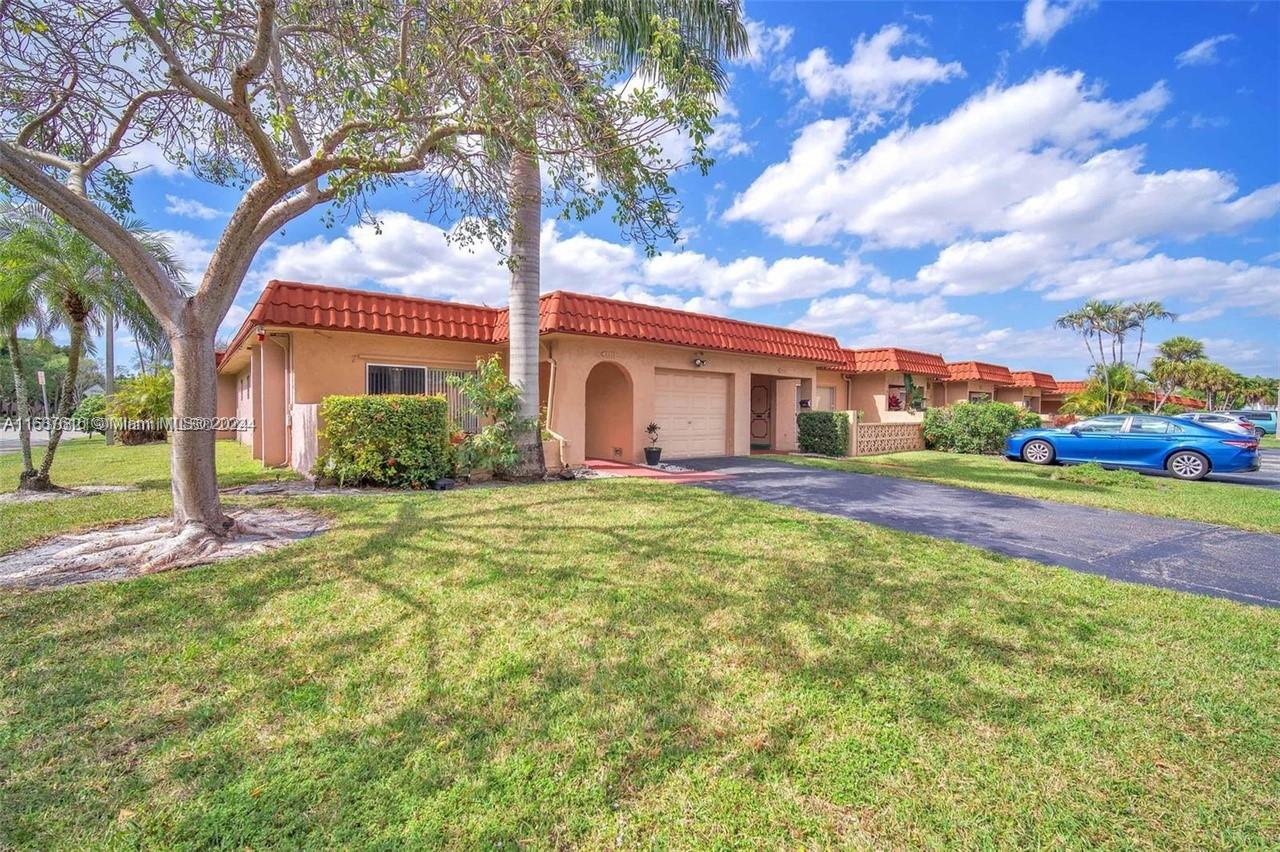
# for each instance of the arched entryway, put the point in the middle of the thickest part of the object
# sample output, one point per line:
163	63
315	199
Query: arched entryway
610	427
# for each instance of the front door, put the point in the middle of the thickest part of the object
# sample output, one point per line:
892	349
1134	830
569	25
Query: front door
761	415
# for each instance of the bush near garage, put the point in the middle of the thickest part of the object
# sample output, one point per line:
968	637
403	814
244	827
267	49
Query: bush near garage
823	432
390	440
975	427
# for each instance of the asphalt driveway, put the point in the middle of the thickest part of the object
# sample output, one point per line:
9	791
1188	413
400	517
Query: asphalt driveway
1182	555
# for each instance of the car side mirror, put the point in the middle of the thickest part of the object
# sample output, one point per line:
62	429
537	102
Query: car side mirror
1075	430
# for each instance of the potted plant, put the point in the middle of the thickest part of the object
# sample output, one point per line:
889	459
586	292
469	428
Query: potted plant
652	453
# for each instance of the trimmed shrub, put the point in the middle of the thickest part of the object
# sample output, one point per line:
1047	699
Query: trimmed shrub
391	440
975	427
823	432
143	402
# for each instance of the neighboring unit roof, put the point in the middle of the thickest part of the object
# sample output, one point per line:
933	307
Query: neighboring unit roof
1070	386
1032	379
575	313
295	305
979	371
891	359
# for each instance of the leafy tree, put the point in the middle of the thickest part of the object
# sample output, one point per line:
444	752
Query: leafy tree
677	46
312	103
497	401
74	282
1111	389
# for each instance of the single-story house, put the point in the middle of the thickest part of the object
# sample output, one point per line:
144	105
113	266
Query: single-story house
1027	390
715	386
888	385
970	381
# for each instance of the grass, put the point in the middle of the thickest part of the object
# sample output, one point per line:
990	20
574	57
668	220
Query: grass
624	663
1211	502
1270	441
88	461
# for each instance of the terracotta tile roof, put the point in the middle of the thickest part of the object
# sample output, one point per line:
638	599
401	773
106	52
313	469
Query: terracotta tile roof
575	313
1032	379
1068	387
980	371
894	360
295	305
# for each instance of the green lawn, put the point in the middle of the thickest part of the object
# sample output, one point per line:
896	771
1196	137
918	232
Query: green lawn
624	663
1211	502
1271	441
88	461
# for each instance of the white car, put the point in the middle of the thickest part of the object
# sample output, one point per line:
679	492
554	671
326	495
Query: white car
1225	422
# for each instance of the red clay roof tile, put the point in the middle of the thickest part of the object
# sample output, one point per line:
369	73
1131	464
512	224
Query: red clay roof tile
968	371
1032	379
892	359
296	305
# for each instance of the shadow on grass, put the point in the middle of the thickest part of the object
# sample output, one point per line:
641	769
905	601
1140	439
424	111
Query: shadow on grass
475	669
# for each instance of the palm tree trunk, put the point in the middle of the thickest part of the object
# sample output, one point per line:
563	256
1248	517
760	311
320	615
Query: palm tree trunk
41	482
1142	334
24	409
522	310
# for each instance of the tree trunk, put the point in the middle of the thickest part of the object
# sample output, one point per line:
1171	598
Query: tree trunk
66	396
24	409
522	309
195	397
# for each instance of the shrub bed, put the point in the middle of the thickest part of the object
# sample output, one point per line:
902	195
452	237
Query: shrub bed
823	432
391	440
143	402
975	427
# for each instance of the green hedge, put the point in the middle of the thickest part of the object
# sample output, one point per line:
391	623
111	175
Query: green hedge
392	440
975	427
823	432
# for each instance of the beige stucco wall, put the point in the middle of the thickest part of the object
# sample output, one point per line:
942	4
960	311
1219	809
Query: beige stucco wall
309	365
835	381
949	393
1016	396
575	356
869	393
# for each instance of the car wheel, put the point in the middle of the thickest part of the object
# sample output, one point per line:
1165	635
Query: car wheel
1188	465
1038	452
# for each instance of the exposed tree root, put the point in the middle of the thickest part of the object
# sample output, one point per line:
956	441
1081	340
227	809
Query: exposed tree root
151	546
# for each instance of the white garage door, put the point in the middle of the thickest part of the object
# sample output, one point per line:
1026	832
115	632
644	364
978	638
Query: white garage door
692	410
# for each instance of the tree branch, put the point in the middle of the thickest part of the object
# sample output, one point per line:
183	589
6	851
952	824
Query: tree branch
56	107
148	276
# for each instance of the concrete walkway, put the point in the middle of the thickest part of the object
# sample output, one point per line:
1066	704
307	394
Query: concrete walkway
1183	555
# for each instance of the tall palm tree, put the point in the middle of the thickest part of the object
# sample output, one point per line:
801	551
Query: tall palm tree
1181	349
1140	314
713	31
18	307
75	282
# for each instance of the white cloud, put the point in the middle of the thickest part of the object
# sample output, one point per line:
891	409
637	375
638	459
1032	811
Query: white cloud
192	251
929	324
191	208
874	81
1041	19
727	139
752	281
231	322
1203	52
146	156
765	42
1194	279
933	183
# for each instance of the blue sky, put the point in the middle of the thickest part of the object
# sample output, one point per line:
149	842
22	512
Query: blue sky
948	177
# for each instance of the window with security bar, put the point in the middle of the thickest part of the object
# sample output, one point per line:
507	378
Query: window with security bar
394	378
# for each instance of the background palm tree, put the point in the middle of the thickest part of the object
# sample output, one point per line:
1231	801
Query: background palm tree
1143	312
61	276
712	31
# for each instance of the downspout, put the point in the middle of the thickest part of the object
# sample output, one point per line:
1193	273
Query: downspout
551	398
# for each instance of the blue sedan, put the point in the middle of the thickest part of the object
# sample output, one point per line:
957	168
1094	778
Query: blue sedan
1185	449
